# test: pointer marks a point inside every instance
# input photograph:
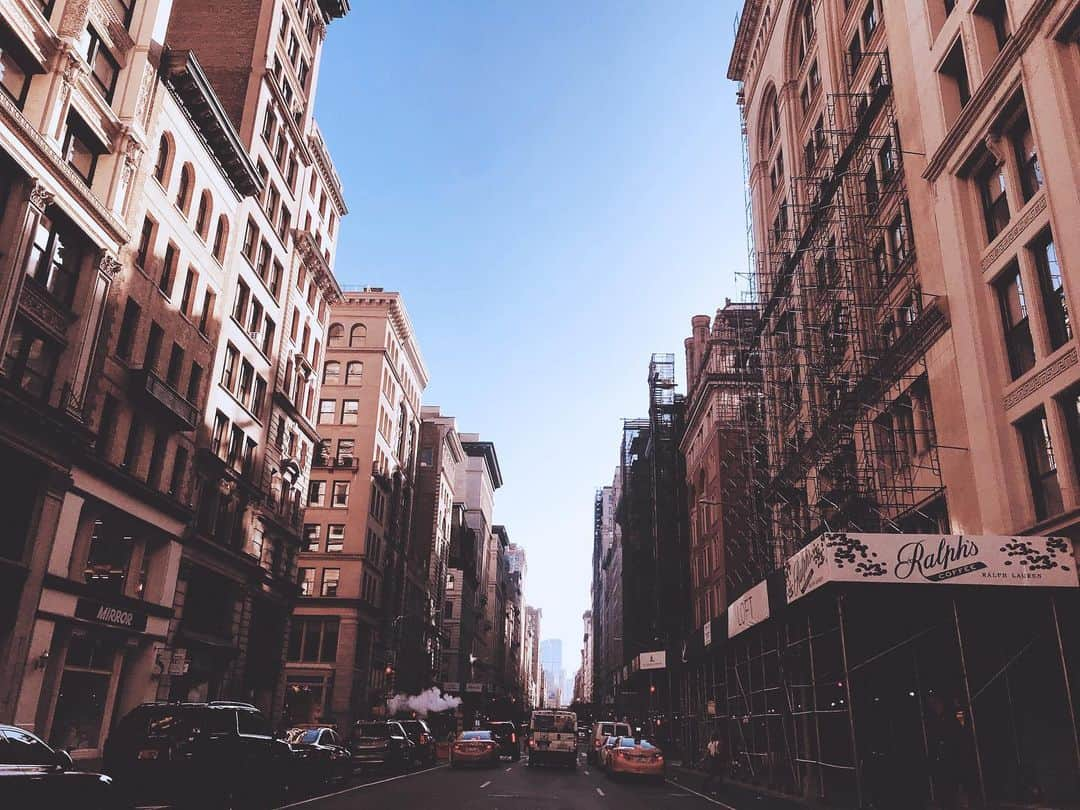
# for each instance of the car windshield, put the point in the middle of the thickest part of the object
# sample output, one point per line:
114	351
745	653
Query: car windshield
622	729
611	740
626	742
372	730
607	729
476	735
309	736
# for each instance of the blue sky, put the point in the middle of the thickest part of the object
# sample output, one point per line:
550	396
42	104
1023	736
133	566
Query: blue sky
556	188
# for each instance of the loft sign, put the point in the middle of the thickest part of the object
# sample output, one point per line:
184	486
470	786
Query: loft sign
931	559
111	615
749	609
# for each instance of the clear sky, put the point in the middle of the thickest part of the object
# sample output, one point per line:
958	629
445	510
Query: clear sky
555	186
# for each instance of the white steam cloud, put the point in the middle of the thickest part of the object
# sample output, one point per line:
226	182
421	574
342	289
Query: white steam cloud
431	700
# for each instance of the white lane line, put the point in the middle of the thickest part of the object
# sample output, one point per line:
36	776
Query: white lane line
486	784
510	769
702	795
598	790
585	772
358	787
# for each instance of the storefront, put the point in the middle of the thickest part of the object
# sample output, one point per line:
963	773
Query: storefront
898	670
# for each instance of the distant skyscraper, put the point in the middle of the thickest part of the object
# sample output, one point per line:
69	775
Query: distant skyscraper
551	663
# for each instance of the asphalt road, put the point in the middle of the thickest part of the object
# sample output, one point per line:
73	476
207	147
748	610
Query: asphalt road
513	786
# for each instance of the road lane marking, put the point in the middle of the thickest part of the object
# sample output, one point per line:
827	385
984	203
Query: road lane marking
357	787
510	769
585	772
717	802
598	790
486	784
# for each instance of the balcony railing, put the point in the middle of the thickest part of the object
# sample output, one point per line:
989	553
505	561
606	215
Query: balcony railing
184	415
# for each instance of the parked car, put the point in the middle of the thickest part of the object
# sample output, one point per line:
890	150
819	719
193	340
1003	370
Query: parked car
198	754
474	748
423	740
379	742
604	753
33	774
600	732
319	756
553	738
636	758
506	735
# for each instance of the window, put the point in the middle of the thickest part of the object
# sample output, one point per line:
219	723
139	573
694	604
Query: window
134	443
185	189
157	459
1014	316
15	69
251	234
374	546
341	494
202	216
358	335
956	87
898	241
129	324
103	66
350	411
269	122
448	609
30	360
54	258
247	380
1041	464
1053	290
313	638
331	373
179	471
168	270
107	425
240	303
258	397
236	446
1027	159
187	297
228	370
221	238
354	371
887	161
254	318
995	204
209	299
307	581
330	579
176	364
327	409
996	15
312	537
869	21
161	166
194	383
269	328
153	346
345	449
275	279
854	53
317	493
806	29
335	537
146	240
221	424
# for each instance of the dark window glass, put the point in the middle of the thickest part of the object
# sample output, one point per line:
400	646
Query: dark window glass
1053	290
1041	464
79	149
54	258
30	360
995	204
103	67
1027	159
128	326
1014	316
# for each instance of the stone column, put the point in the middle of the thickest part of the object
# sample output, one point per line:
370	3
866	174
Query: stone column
16	233
86	344
15	658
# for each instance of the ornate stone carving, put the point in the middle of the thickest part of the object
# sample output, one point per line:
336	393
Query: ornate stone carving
1005	241
40	197
70	63
43	311
995	147
142	105
1037	381
109	265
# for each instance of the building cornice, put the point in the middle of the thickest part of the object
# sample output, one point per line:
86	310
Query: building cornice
486	451
185	77
323	162
744	37
316	264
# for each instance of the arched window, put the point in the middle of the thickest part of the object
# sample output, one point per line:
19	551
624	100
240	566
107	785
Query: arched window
331	373
221	238
804	33
353	373
358	335
336	335
187	184
161	167
770	122
202	218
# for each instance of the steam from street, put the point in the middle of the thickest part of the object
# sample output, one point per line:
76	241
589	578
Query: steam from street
430	700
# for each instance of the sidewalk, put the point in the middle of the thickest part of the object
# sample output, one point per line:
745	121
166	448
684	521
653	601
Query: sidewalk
735	795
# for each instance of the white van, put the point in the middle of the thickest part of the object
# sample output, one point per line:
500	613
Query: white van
553	738
601	730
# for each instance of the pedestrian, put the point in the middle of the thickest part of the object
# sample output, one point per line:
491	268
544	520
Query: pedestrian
944	741
714	762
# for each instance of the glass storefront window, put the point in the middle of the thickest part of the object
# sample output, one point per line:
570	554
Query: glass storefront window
109	557
84	692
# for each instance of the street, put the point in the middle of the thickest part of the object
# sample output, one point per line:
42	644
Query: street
515	785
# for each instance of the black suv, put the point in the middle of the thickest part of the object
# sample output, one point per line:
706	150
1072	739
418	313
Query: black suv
198	754
378	742
422	739
506	735
34	775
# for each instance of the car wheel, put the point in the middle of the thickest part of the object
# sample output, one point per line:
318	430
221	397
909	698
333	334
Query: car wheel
515	758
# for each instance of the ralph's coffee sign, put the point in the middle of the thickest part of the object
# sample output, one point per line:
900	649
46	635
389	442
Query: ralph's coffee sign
931	559
104	613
